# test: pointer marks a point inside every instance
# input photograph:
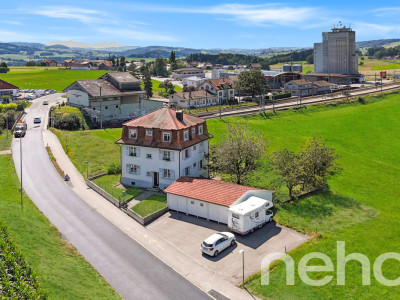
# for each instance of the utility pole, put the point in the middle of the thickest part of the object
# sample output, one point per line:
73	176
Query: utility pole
375	82
381	81
101	113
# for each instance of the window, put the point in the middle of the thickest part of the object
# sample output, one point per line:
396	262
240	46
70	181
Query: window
187	171
149	132
133	169
194	165
201	129
167	173
132	134
231	92
193	130
105	107
192	202
133	151
201	164
194	148
256	214
94	108
236	216
148	173
148	155
166	137
201	204
186	135
186	154
116	106
166	155
220	93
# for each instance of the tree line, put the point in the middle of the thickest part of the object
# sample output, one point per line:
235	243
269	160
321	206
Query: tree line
228	59
380	52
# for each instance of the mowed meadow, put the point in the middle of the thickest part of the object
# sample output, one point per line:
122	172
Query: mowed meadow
361	208
47	77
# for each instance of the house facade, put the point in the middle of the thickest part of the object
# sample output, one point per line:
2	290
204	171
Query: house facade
113	98
7	88
160	147
223	88
193	99
179	74
49	63
300	87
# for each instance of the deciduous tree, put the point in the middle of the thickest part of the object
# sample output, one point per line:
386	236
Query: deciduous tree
148	84
251	82
239	153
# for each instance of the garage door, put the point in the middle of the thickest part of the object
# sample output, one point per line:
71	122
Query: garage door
218	213
172	202
202	210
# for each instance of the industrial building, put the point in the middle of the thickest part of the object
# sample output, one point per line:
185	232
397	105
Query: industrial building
337	53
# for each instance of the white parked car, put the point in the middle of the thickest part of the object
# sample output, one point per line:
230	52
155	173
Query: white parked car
214	244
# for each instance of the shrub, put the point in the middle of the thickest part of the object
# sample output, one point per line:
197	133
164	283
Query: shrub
114	168
21	105
3	70
69	122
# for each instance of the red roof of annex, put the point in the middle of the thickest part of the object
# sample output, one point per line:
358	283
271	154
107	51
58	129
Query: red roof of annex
208	190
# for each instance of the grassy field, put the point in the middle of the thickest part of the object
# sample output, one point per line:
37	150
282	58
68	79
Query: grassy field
5	143
216	107
362	207
150	205
53	78
95	146
61	271
111	184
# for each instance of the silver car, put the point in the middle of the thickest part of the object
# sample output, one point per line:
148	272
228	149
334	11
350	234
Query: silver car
214	244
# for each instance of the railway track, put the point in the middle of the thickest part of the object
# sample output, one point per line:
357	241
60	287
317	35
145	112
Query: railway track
290	103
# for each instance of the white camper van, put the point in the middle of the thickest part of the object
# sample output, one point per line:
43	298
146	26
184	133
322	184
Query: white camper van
249	215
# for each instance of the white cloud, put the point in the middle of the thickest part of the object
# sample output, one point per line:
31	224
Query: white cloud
71	13
371	29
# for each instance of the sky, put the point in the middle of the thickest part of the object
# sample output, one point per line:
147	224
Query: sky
195	24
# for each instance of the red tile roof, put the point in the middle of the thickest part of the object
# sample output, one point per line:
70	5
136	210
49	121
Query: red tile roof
208	190
218	84
4	85
164	118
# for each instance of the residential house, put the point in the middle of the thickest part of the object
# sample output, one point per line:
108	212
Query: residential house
7	88
223	88
179	74
160	147
300	87
323	87
210	199
68	63
194	99
49	63
255	66
113	98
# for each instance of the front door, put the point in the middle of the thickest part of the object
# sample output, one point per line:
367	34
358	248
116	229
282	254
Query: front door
155	179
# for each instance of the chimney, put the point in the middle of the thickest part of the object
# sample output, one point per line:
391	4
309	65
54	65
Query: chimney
179	115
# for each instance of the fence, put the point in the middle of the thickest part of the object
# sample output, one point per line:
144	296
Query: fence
102	192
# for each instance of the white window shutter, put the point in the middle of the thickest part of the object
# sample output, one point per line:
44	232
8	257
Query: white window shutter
138	170
172	155
127	150
161	154
161	173
172	174
128	168
190	152
137	151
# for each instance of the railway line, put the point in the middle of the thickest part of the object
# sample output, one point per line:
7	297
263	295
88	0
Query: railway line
298	102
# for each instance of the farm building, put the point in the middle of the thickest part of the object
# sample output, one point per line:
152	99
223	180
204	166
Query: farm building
208	198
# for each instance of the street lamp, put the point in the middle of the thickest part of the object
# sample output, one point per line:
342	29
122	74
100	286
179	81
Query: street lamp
242	252
87	169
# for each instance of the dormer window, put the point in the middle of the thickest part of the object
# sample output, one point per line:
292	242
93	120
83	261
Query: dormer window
186	135
193	130
200	129
149	132
132	134
166	137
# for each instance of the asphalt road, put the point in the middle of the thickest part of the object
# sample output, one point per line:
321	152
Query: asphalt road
130	269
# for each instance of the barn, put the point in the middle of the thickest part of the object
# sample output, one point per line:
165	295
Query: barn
209	199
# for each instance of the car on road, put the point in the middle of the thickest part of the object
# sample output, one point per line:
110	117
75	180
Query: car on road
36	120
216	243
45	102
20	129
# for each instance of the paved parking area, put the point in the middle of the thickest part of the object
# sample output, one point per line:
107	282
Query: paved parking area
187	232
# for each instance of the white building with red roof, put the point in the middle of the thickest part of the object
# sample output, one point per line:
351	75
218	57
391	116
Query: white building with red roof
211	199
161	146
7	88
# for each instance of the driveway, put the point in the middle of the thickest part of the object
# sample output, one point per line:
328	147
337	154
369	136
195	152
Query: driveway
187	232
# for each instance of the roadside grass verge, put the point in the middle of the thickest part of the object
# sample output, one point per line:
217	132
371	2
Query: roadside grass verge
216	108
95	146
111	184
5	142
150	205
65	110
61	270
361	208
53	78
54	161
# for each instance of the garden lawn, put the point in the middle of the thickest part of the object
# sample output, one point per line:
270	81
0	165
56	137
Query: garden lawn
362	208
5	142
53	78
156	89
95	146
61	271
150	205
111	184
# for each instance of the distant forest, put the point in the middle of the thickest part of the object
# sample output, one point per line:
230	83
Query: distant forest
241	59
380	52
